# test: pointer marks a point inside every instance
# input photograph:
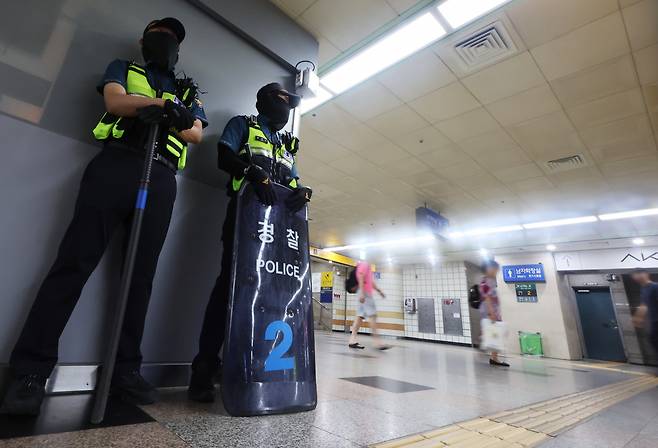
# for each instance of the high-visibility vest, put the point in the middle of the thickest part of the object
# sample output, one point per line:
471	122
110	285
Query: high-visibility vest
276	159
112	126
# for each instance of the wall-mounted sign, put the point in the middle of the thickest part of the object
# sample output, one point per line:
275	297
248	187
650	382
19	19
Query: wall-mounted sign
326	287
526	292
523	273
623	258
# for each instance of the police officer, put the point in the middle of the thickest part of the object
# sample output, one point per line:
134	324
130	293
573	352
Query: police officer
135	96
252	149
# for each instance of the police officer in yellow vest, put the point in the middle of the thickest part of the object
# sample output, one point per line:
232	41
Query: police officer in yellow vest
135	95
252	149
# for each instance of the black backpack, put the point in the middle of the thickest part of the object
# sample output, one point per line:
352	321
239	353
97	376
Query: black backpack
351	283
474	296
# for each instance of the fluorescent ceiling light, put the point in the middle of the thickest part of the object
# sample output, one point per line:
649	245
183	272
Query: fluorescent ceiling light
362	255
484	252
311	103
485	231
459	12
638	241
551	247
401	241
388	50
560	222
629	214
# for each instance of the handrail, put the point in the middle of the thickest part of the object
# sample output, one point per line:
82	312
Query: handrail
321	304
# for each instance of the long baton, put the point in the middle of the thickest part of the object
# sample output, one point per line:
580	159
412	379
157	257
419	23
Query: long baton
103	384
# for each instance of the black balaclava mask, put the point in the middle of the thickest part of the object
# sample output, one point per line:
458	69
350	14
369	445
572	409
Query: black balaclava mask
160	48
272	106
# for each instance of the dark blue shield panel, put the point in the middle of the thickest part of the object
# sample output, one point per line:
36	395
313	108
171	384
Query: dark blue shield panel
269	350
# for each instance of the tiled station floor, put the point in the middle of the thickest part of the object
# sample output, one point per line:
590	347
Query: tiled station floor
368	397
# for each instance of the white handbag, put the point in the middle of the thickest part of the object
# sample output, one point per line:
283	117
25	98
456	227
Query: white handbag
493	335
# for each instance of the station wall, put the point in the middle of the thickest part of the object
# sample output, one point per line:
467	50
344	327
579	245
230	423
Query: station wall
50	62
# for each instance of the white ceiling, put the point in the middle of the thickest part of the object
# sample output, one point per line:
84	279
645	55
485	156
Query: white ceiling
584	80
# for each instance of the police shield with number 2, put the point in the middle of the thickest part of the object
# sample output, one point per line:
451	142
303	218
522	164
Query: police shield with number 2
269	354
260	308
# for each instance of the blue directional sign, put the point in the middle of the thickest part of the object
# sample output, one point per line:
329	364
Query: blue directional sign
523	273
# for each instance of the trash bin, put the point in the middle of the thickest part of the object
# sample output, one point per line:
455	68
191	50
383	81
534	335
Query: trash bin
530	343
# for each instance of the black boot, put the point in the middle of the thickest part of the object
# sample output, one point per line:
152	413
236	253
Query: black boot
202	382
24	396
133	388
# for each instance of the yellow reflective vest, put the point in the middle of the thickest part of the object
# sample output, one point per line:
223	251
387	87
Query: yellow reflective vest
111	126
276	160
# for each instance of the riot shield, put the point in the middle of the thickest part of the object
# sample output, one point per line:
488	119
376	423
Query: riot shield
269	349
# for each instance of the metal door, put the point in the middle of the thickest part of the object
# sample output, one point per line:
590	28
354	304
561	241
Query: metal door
599	324
426	316
452	317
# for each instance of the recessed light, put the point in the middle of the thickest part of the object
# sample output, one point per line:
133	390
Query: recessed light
551	247
484	252
638	241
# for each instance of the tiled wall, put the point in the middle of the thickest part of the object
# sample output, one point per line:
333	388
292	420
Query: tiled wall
438	282
389	310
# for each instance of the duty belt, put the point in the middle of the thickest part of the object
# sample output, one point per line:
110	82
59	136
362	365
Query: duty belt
166	162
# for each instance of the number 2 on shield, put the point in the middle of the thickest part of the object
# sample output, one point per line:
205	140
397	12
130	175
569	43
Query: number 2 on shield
275	360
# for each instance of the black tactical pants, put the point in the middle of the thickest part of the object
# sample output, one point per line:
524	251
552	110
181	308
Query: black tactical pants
105	201
214	322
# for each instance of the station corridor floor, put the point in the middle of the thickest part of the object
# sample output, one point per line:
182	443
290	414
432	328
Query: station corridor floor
417	394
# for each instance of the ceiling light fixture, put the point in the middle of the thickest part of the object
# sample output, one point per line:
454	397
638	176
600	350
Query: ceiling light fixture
551	247
485	231
362	255
459	12
638	241
629	214
484	252
311	103
401	241
406	40
560	222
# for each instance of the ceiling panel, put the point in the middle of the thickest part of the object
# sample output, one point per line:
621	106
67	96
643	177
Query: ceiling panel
631	167
651	97
401	6
504	79
539	21
471	124
496	141
613	107
401	120
422	140
368	100
509	174
326	51
462	170
330	120
318	146
293	7
417	75
498	160
346	22
444	156
444	103
524	106
596	82
385	154
620	139
592	44
641	19
647	64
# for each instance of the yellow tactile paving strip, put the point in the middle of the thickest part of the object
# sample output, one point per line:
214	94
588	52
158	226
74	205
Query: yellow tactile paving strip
528	426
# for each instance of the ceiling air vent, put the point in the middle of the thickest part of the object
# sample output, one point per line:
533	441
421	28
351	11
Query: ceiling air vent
566	163
485	46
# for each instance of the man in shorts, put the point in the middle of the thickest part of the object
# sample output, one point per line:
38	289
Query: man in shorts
366	308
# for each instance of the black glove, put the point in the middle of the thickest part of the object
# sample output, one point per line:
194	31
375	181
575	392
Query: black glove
151	114
178	115
298	199
262	184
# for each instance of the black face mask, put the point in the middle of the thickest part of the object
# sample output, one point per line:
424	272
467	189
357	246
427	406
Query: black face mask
275	109
161	49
